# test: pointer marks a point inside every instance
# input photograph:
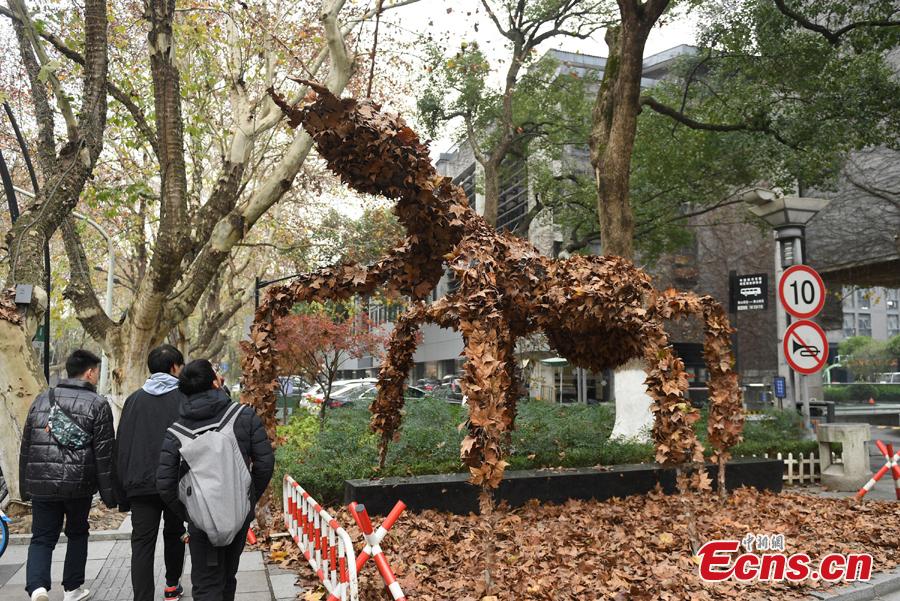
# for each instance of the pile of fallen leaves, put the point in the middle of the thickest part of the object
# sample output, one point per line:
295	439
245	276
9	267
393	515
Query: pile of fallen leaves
635	548
100	518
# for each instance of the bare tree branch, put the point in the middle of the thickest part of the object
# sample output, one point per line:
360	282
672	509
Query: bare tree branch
680	117
79	290
833	37
116	92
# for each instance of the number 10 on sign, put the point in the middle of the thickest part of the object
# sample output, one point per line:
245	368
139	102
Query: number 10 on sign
801	291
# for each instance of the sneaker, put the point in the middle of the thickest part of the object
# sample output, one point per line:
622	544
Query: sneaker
79	594
40	594
173	593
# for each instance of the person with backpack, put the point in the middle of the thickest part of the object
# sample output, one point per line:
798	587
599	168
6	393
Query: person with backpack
147	415
66	456
216	462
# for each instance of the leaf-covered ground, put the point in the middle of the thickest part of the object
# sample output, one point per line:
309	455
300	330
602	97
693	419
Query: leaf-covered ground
100	518
625	549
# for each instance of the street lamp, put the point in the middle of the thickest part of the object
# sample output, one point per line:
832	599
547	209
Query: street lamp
788	216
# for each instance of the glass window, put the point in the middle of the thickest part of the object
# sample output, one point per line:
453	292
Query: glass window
864	324
893	303
893	323
849	324
862	298
849	298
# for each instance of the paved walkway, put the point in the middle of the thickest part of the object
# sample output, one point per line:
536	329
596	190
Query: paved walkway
108	574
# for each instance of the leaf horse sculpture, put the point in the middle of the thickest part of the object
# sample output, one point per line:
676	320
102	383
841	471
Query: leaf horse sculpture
597	312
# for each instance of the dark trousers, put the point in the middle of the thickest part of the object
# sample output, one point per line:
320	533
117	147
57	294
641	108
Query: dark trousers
46	524
145	515
214	569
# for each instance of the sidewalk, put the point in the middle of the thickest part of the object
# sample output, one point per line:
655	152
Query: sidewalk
108	573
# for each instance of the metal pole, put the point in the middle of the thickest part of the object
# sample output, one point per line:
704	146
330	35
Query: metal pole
732	306
807	420
256	287
110	282
781	319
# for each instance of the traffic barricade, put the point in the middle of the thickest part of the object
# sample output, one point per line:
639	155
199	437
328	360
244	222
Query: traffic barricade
892	464
329	549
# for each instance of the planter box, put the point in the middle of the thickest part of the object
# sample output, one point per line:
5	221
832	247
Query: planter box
453	493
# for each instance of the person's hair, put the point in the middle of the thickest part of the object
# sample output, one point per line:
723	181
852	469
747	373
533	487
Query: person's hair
80	361
163	358
197	376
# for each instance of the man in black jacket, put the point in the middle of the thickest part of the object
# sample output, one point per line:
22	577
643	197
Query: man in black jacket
213	569
61	466
147	414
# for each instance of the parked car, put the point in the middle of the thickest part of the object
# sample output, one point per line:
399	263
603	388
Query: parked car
315	395
409	393
451	392
348	394
427	383
889	378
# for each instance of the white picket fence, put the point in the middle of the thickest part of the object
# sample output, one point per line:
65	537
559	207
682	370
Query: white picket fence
806	467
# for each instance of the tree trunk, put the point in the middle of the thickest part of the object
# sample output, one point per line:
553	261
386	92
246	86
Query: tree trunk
612	137
128	363
491	192
20	381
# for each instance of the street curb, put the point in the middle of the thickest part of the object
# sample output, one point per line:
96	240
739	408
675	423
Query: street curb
122	533
880	584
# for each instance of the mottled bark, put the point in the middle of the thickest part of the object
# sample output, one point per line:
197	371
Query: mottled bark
64	175
614	126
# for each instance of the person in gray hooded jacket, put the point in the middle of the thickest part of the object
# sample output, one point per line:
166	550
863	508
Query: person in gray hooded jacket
146	416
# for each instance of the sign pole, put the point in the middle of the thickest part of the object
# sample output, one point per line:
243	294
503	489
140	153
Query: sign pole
732	307
781	321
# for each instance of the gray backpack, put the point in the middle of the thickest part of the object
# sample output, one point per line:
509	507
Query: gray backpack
216	489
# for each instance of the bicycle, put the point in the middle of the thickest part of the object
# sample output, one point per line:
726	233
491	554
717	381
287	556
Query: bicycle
4	532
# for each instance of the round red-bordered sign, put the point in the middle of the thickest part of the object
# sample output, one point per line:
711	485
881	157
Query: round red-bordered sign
806	296
805	347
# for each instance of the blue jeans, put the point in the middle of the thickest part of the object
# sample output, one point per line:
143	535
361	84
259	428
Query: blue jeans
46	524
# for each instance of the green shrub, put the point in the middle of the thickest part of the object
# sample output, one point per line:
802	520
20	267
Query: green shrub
546	435
777	432
861	392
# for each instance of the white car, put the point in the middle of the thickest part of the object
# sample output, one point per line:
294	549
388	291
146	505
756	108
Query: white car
889	378
314	396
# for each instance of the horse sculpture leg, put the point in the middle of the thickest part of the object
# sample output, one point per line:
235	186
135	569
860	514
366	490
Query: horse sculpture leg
726	416
392	377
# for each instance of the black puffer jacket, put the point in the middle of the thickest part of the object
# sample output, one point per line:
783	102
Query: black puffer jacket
48	470
207	408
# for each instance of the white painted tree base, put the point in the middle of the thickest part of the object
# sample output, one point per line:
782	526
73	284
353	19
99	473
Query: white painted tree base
634	421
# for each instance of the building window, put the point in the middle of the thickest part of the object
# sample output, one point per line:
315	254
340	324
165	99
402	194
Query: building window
864	324
893	323
513	203
849	298
893	303
862	299
849	324
466	181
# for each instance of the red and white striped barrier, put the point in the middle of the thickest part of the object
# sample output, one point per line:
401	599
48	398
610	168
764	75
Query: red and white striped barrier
892	463
328	548
325	545
373	545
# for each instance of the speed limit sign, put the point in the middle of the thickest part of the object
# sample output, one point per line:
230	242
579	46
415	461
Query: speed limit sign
802	291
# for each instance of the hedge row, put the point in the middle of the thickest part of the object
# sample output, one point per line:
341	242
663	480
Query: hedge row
546	435
861	392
